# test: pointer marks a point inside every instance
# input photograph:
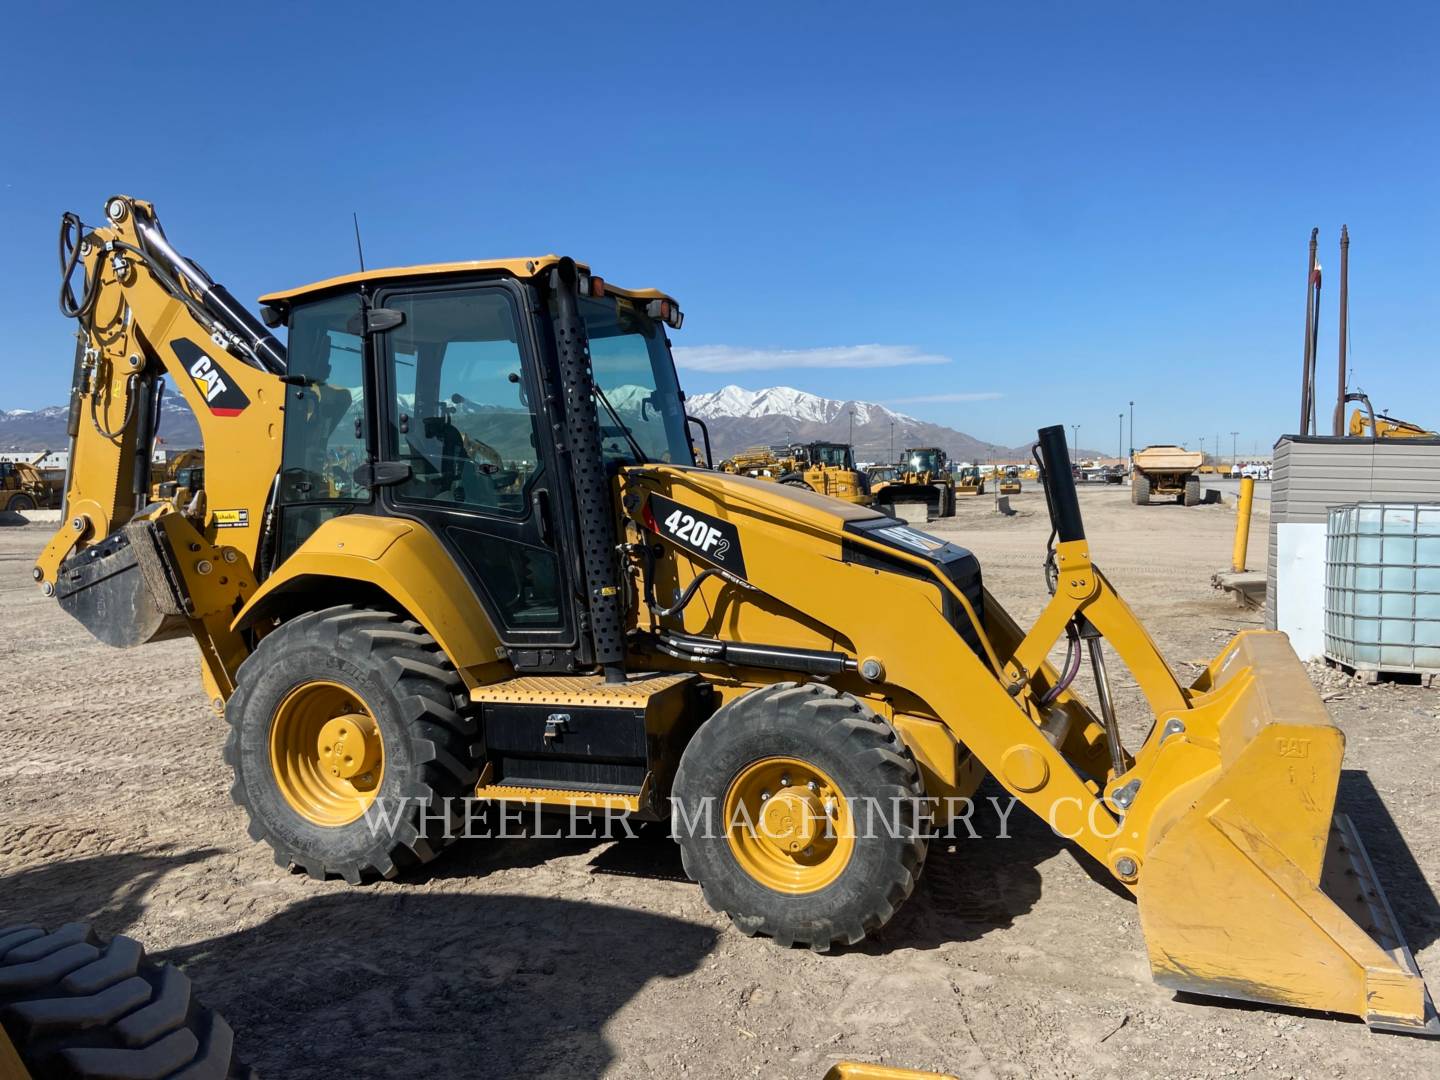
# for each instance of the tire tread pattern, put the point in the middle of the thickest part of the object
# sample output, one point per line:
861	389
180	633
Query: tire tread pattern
76	1008
861	735
433	705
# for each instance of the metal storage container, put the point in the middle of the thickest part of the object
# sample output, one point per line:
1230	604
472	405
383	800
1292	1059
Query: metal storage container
1382	587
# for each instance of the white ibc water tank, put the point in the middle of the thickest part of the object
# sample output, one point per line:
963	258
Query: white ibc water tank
1382	586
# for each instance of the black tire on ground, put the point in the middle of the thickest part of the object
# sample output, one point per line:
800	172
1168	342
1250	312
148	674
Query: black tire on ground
866	759
1192	492
421	709
74	1007
1140	490
946	507
20	502
794	480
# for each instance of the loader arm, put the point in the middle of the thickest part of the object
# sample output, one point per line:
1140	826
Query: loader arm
130	569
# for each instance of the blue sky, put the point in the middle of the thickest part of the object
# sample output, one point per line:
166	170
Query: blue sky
1066	205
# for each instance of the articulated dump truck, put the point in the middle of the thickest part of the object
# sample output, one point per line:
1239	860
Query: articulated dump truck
444	549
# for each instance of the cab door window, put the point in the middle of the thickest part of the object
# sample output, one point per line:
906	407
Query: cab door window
460	416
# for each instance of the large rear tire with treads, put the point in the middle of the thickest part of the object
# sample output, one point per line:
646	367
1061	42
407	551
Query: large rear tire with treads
75	1007
345	718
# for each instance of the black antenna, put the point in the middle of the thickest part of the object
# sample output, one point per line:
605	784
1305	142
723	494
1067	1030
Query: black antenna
358	249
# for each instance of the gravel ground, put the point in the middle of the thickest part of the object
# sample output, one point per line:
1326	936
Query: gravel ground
574	959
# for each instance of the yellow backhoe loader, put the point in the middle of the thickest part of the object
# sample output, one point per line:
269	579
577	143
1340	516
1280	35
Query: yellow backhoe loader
801	685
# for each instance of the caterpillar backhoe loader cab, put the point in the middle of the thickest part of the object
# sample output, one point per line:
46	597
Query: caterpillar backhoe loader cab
452	542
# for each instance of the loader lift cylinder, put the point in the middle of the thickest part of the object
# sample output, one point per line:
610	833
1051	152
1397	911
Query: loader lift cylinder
587	466
1060	491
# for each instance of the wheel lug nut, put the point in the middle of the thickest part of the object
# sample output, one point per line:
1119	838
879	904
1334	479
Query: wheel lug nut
813	786
764	795
785	781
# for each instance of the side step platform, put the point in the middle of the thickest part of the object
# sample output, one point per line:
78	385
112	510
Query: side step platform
576	741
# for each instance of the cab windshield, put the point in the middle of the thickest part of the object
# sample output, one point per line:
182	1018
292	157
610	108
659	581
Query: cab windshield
836	457
924	460
636	376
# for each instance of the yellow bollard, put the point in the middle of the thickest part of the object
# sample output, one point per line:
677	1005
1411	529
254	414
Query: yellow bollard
1242	524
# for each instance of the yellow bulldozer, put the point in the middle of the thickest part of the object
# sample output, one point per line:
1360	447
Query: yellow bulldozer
824	467
969	482
803	687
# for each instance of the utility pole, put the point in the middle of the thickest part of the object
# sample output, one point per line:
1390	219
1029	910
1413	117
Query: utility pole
1234	449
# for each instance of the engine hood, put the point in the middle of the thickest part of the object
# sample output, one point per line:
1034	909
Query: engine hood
749	496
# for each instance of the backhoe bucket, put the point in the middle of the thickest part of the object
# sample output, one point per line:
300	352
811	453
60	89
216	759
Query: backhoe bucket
1259	890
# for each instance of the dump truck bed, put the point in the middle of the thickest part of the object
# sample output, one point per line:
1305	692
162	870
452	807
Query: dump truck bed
1168	459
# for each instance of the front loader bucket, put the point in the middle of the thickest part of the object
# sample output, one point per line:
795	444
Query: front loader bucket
1259	890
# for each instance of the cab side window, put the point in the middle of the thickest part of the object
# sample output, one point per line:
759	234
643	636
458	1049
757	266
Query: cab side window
460	416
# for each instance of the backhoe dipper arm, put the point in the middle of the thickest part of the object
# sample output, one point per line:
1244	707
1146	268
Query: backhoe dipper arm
144	312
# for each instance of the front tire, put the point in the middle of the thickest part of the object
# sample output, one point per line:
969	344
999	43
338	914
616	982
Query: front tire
20	503
824	865
342	719
74	1007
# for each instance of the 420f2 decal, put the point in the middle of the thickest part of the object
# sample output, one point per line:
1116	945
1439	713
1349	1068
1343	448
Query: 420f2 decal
708	537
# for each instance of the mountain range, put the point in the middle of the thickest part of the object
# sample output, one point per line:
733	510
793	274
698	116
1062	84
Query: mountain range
740	418
737	418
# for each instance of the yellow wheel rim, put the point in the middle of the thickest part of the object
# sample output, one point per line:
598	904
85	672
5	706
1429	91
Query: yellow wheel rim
326	753
788	825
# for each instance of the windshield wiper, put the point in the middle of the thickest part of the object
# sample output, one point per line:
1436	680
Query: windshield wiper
640	458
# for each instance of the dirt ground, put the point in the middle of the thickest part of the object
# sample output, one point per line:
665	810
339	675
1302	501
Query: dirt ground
546	958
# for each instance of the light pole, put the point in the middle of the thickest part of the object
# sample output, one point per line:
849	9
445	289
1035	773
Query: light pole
1120	446
1234	452
1075	440
852	427
892	440
1132	429
1202	449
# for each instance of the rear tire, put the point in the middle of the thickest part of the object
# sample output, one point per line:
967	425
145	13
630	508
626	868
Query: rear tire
795	480
413	698
73	1007
822	733
1192	492
1140	490
20	503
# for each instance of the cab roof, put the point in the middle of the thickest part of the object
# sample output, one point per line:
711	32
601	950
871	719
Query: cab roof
518	268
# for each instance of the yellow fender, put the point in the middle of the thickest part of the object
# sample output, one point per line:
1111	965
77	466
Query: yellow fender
408	564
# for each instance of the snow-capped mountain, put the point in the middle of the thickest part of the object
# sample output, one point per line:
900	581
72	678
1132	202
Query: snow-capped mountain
740	418
736	401
44	429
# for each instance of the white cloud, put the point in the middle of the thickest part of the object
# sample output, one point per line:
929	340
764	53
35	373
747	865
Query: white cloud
740	358
984	395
